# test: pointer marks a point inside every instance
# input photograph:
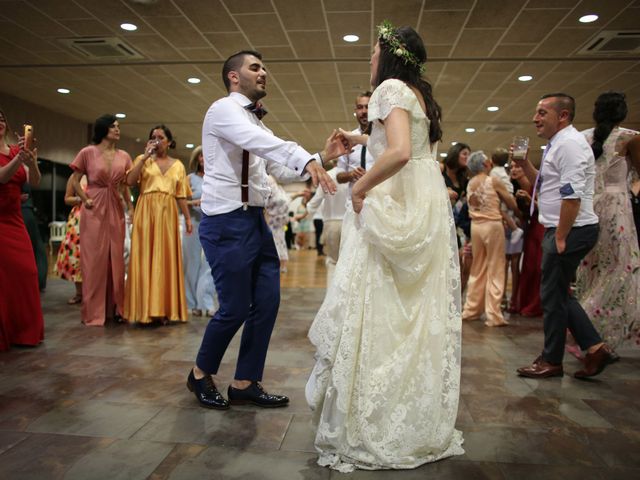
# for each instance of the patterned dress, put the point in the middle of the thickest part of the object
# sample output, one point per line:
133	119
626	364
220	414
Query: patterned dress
608	280
68	261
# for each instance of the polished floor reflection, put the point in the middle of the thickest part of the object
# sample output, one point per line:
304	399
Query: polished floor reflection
111	403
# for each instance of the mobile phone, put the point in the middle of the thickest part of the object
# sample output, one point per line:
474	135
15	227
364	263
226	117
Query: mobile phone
28	137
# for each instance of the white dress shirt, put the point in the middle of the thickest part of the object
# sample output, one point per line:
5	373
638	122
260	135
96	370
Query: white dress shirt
228	129
351	161
567	172
333	206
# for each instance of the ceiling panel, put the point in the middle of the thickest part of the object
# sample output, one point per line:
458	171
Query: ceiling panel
477	48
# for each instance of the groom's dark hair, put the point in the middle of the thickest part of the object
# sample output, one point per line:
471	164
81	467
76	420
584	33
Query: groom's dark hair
234	62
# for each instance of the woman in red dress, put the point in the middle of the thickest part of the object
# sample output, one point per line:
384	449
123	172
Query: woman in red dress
528	295
21	321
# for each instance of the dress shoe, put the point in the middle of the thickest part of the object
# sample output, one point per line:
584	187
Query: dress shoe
206	392
255	394
541	369
595	362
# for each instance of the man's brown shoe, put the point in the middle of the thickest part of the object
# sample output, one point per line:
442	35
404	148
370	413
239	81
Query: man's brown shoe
541	369
595	362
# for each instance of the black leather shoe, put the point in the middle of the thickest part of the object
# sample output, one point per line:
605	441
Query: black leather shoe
206	392
255	394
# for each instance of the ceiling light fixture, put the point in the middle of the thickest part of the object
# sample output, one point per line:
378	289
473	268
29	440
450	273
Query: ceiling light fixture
543	147
588	18
443	155
121	115
525	78
189	145
64	90
194	80
129	27
493	109
470	130
351	38
454	143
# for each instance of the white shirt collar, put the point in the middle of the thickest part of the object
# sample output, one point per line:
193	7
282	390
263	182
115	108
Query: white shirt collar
242	99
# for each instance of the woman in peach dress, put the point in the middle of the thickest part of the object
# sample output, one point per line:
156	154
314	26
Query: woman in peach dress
487	279
102	222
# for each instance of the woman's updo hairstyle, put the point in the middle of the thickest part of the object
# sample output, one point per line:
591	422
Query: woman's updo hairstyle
610	110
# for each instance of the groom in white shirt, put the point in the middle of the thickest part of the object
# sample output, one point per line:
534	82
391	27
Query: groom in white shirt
234	235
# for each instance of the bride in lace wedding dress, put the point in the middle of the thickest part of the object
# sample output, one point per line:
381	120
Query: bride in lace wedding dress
385	386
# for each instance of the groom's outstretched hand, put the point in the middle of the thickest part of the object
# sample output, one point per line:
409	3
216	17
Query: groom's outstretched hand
320	177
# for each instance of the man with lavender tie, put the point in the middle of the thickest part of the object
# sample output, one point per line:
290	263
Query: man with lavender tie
565	185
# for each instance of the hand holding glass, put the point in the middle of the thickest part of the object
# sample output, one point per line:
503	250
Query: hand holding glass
520	147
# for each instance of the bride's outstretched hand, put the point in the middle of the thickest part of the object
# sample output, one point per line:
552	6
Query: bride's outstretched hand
353	139
335	146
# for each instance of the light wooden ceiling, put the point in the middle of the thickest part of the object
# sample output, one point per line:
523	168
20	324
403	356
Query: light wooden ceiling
477	49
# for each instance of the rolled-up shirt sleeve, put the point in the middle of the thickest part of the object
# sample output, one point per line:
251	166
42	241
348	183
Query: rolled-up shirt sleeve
229	121
573	163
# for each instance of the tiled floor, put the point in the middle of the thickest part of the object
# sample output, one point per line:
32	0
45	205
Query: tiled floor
111	403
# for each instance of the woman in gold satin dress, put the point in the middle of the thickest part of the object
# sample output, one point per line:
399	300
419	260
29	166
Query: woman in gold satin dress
155	282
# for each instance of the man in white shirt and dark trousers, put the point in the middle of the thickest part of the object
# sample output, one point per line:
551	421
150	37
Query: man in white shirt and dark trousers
565	184
353	165
234	235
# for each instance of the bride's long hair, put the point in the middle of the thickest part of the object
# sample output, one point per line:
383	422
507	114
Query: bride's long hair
391	65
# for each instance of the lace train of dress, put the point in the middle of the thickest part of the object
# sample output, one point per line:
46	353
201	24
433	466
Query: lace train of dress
385	385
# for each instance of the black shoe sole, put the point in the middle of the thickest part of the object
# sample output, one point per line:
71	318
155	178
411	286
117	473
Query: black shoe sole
204	405
263	405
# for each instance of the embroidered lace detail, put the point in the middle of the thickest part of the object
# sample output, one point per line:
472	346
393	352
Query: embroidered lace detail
386	382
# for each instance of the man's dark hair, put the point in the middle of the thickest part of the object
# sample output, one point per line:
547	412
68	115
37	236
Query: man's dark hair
563	102
234	62
364	94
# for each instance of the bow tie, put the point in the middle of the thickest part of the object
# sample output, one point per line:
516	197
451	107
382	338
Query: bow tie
257	109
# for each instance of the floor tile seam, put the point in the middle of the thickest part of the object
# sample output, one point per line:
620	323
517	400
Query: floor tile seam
28	435
289	423
146	423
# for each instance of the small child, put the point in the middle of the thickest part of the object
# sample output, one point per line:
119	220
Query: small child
500	158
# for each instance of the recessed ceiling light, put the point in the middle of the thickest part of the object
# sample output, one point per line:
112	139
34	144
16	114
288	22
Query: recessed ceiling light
64	90
588	18
470	130
351	38
121	115
194	80
129	27
189	145
493	109
454	143
443	155
525	78
543	147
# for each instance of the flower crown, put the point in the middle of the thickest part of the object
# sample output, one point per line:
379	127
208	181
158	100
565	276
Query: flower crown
387	33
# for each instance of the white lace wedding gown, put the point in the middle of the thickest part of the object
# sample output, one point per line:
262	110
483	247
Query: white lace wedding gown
386	382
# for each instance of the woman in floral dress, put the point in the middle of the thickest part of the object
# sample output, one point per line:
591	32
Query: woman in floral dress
67	264
608	280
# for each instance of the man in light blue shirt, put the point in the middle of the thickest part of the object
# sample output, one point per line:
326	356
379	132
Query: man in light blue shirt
565	184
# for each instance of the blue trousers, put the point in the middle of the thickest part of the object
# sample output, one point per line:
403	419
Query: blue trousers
246	272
